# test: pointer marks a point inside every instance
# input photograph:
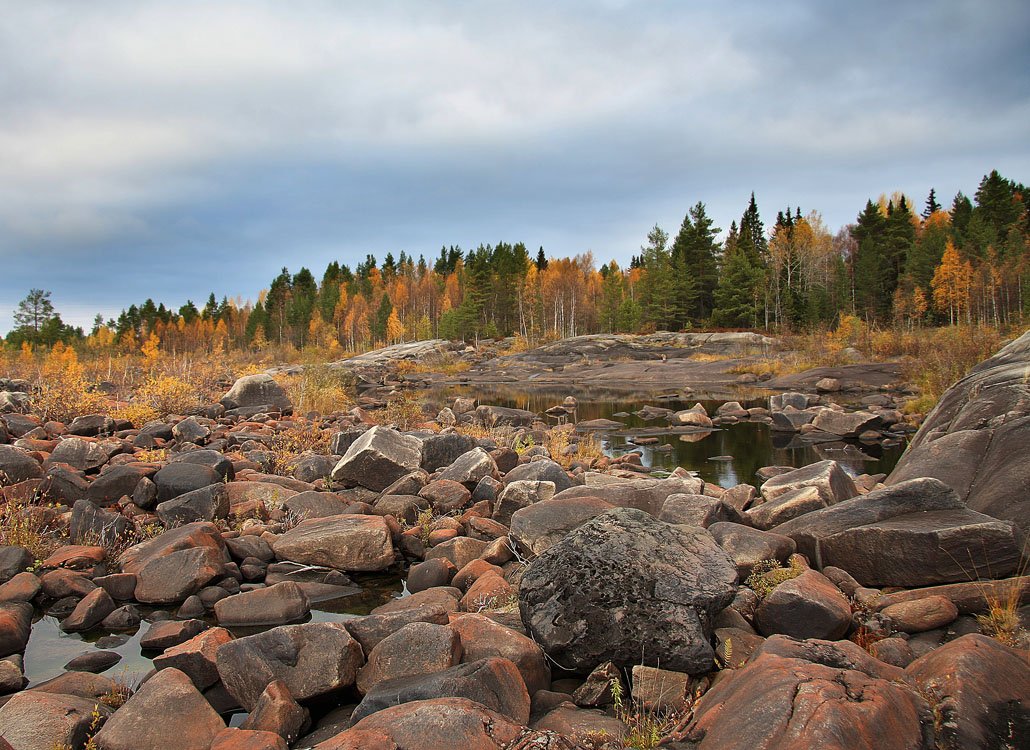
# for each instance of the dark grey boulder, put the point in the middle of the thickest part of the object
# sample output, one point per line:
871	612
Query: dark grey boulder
627	588
207	457
975	439
16	465
378	458
179	478
443	450
257	390
114	483
543	470
205	504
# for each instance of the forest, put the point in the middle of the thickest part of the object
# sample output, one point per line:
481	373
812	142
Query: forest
896	265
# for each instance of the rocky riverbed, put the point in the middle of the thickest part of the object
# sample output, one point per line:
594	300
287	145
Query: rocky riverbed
552	597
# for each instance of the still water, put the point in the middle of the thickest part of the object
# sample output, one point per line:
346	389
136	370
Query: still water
726	456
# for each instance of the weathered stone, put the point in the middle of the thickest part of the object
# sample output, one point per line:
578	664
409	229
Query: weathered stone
233	738
520	494
378	458
921	614
443	450
440	724
808	606
197	657
541	470
974	439
495	683
482	638
167	711
436	571
344	542
416	649
274	605
541	525
445	597
44	721
648	495
747	547
88	613
277	711
500	416
92	661
807	705
470	468
205	504
786	507
628	588
915	496
370	630
699	510
23	587
17	465
981	689
460	551
312	659
15	626
828	477
660	689
117	482
14	559
446	495
257	390
846	424
166	634
84	455
313	504
179	478
405	508
90	522
922	549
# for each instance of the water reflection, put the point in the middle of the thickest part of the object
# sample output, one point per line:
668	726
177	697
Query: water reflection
726	456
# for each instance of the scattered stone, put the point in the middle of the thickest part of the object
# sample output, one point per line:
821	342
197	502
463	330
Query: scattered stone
275	605
378	458
808	606
344	542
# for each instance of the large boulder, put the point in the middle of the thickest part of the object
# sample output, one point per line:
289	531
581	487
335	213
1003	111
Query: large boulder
168	711
37	720
808	606
273	605
540	525
311	659
627	588
176	564
482	638
975	439
495	683
502	416
17	465
440	724
846	424
828	477
648	495
344	542
84	455
257	390
780	703
915	496
982	692
418	648
378	458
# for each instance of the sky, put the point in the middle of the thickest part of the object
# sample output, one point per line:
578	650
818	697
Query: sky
171	149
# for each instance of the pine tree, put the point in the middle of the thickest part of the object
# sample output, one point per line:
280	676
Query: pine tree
33	313
932	206
737	294
695	265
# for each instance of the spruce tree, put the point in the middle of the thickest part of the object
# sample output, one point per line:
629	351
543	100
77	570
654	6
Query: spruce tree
695	265
932	206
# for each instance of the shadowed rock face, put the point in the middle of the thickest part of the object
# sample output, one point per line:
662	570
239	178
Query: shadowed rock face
625	587
975	438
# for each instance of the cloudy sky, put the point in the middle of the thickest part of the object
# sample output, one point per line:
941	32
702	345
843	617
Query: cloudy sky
170	149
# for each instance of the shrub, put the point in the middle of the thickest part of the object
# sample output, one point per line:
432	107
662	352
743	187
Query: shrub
63	392
768	574
320	388
286	445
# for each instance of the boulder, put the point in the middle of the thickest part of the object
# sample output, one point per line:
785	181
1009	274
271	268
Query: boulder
846	424
981	689
416	649
470	468
233	738
483	638
43	721
274	605
175	564
205	504
313	504
541	470
311	659
93	523
914	496
494	683
89	612
257	390
14	559
747	547
974	438
179	478
783	508
344	542
84	455
15	627
17	465
921	614
117	482
927	548
197	657
370	630
441	724
500	416
828	477
699	510
806	705
648	495
277	711
443	450
627	588
378	458
446	496
541	525
808	606
520	494
165	634
167	711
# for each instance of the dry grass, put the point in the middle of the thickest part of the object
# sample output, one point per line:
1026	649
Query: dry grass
1001	620
29	526
404	412
443	364
287	445
320	388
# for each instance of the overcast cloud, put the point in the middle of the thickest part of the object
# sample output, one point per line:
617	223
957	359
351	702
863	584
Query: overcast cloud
170	149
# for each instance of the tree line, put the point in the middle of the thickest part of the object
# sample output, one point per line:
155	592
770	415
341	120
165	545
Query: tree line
967	262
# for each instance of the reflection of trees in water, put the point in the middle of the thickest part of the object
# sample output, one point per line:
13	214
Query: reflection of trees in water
752	445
